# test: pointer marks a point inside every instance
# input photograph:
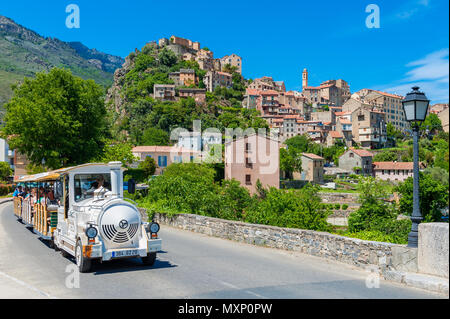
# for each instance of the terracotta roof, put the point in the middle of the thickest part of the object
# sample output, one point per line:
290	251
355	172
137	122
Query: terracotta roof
291	117
252	92
361	152
390	95
313	156
342	113
269	92
394	165
224	73
335	134
345	121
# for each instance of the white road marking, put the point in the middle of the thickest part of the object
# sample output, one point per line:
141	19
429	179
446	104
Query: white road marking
235	287
255	294
20	282
228	284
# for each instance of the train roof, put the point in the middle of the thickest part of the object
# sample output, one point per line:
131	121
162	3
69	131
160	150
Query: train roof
54	175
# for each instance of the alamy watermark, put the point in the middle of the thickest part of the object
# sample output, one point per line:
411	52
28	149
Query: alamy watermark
247	147
73	279
373	19
73	19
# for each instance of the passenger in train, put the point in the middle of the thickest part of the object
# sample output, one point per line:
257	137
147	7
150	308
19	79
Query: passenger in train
51	200
17	191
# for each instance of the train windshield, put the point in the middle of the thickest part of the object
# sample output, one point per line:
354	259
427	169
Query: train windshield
86	184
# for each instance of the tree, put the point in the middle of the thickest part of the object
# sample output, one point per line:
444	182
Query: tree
376	217
290	161
57	117
229	68
300	142
155	136
438	173
148	166
117	152
392	133
385	156
5	171
433	197
167	57
432	123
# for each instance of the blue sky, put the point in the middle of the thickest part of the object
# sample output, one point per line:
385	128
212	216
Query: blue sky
275	38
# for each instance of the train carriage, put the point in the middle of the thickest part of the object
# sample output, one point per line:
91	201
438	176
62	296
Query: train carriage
91	219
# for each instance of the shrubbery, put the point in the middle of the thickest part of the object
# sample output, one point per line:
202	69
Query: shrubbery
190	188
6	189
377	218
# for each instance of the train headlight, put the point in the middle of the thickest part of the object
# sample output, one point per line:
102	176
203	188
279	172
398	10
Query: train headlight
91	232
153	228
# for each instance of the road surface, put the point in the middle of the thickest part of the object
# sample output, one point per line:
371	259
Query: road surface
191	265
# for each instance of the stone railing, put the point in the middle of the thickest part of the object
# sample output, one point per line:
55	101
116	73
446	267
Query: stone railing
361	253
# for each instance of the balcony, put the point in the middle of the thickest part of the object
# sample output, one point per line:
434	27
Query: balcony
369	130
269	103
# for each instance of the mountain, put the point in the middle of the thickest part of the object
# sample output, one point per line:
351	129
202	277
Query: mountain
23	53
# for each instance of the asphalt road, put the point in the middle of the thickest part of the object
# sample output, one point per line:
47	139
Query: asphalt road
190	266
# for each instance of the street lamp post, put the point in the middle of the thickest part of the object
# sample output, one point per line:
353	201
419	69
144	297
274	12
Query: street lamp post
415	106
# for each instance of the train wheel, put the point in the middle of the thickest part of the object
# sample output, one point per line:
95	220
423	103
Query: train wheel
84	264
149	260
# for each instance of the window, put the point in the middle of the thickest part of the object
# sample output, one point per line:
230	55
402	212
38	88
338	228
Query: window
248	147
352	155
248	179
162	161
85	184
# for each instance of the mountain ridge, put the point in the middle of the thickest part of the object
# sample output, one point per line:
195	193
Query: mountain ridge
23	53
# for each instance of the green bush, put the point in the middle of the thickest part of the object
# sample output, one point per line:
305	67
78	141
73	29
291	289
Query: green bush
6	189
139	175
337	206
292	208
344	206
374	235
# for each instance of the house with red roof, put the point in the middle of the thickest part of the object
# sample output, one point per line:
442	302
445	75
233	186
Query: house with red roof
357	160
394	171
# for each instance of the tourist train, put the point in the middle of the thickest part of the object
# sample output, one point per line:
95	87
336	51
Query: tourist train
81	211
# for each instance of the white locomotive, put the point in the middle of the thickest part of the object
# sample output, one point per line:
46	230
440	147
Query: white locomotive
94	221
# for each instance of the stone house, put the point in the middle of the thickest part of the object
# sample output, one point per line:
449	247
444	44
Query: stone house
233	60
164	92
357	158
331	92
312	168
334	137
369	127
199	95
214	79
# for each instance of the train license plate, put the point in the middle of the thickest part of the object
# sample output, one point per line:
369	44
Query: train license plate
125	253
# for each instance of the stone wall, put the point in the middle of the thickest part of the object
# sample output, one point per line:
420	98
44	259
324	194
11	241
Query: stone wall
361	253
433	249
343	198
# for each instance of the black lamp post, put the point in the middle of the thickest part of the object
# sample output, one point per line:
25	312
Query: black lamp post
415	106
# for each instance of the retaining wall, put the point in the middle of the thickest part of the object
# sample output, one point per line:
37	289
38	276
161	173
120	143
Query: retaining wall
361	253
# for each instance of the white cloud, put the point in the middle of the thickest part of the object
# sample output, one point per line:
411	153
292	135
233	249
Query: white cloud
413	9
433	66
431	74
